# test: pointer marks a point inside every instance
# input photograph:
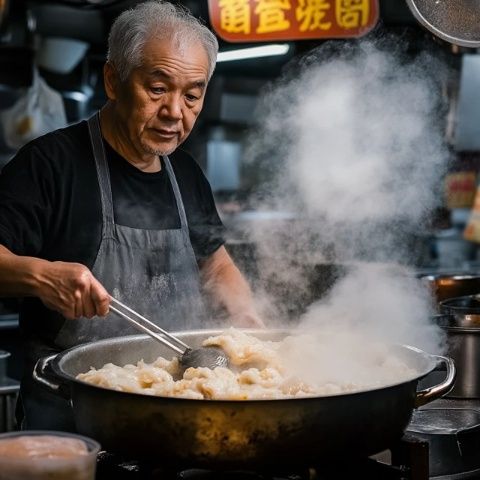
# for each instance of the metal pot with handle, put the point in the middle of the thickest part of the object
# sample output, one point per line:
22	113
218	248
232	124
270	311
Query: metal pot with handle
461	322
234	433
450	285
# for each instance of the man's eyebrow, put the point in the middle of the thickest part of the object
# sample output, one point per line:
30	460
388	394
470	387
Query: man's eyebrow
159	73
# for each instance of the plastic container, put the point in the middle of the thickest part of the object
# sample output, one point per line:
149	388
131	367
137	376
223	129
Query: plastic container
42	455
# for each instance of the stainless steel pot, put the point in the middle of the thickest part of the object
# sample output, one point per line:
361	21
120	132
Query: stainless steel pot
461	322
451	285
465	311
223	433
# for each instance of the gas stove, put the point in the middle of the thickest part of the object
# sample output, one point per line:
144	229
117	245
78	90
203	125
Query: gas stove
408	460
441	443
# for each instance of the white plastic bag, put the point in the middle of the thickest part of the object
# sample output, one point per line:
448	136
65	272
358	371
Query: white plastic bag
40	110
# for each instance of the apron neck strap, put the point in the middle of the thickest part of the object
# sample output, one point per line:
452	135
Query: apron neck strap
176	191
103	174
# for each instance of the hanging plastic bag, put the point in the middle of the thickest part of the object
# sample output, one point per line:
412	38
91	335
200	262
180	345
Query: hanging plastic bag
39	111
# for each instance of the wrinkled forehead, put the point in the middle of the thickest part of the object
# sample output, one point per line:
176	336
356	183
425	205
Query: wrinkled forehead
184	45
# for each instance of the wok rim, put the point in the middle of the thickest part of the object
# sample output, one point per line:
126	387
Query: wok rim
65	376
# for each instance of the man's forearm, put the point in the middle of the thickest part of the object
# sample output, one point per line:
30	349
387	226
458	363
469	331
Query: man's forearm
19	276
228	288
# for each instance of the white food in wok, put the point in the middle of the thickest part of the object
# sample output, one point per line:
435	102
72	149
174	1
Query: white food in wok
297	366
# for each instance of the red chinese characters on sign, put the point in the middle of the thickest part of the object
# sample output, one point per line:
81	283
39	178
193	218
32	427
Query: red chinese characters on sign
263	20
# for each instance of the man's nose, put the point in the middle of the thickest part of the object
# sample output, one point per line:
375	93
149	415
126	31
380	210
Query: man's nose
172	107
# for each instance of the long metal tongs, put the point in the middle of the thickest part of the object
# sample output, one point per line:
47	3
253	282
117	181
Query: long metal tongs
210	357
148	327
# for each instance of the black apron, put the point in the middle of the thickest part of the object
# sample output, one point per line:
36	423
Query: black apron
153	271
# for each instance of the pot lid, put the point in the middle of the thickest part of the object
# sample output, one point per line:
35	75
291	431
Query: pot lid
455	21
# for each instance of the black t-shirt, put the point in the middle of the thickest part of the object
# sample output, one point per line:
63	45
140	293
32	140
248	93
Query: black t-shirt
50	199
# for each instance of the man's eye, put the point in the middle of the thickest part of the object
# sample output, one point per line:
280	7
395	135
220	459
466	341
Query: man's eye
191	98
158	90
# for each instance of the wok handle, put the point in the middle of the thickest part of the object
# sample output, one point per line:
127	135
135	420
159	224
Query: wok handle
432	393
42	373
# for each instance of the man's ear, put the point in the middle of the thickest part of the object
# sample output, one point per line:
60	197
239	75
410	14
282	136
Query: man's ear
110	80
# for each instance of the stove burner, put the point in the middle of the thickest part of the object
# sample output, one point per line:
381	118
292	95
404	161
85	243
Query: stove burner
409	462
112	466
200	474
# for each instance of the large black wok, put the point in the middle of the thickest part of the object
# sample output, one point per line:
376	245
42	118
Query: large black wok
234	433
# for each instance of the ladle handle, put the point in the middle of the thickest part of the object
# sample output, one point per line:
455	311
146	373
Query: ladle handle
149	327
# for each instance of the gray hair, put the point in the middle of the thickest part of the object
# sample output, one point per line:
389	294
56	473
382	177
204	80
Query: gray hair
133	28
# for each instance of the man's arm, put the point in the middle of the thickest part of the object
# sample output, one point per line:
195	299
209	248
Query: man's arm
68	288
228	288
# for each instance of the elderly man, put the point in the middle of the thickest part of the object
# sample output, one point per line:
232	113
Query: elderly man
111	206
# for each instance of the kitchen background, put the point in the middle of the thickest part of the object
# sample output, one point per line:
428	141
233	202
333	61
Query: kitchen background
64	43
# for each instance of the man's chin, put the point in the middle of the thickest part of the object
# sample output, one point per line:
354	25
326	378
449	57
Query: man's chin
160	151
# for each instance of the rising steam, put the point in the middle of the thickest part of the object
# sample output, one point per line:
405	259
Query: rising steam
355	138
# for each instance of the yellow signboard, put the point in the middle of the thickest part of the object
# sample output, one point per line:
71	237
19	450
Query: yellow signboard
264	20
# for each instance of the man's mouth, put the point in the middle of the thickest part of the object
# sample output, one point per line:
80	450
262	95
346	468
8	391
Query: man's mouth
165	133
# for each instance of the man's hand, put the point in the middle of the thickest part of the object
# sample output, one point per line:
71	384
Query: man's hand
247	320
68	288
72	290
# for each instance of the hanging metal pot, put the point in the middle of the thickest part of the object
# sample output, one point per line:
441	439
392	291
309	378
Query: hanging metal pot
455	21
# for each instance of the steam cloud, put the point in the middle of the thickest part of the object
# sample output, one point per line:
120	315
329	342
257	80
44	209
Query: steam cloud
353	141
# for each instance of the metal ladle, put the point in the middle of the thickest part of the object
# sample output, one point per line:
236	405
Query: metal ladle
209	357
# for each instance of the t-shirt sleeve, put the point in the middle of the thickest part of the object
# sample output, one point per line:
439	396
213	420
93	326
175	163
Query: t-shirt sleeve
207	232
26	199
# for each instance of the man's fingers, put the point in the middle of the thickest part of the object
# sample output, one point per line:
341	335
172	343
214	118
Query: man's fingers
77	304
89	309
259	323
69	314
100	298
90	297
254	321
247	320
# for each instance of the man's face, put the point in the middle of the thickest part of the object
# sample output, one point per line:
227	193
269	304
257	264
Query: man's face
159	102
